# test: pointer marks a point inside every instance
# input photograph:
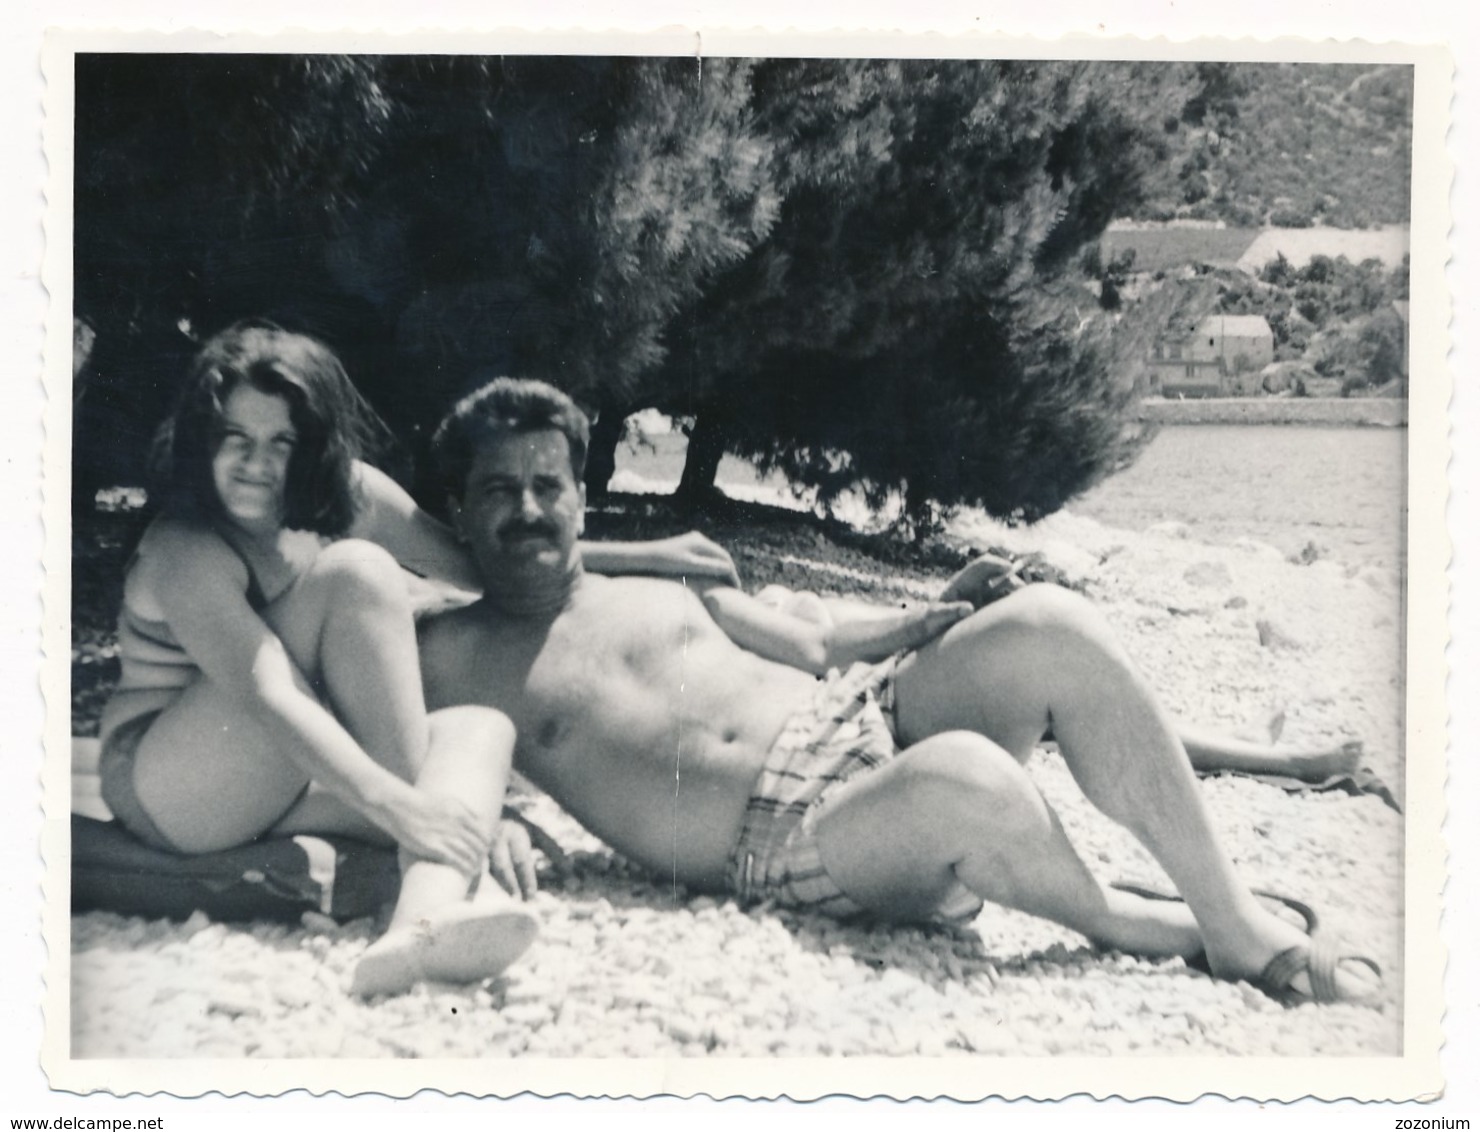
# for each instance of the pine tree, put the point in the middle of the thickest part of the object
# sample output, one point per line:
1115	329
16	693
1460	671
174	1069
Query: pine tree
860	272
904	326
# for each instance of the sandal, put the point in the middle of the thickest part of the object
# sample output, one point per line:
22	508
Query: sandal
1319	957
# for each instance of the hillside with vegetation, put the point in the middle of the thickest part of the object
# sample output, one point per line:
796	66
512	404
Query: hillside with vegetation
1291	145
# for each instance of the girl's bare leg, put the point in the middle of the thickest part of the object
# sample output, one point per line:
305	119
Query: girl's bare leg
449	926
211	777
208	770
372	679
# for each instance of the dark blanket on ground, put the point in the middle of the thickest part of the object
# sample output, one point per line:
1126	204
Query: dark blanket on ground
276	878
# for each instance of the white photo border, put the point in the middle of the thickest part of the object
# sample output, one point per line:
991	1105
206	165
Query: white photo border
1413	1074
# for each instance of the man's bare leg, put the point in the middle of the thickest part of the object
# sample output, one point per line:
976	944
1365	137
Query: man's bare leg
956	808
1209	751
1045	658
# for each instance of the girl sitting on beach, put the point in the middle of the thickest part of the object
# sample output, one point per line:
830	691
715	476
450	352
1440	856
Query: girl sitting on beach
270	683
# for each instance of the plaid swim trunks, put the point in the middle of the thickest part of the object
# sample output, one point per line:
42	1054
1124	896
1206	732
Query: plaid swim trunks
843	732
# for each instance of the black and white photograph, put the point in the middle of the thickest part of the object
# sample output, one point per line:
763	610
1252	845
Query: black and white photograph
748	561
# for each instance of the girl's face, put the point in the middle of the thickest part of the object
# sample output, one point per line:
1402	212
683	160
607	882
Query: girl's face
250	468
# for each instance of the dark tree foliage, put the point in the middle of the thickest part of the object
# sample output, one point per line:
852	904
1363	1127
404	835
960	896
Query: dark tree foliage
1222	88
903	326
439	220
203	193
859	272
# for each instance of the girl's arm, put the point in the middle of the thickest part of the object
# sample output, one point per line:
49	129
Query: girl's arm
688	555
390	517
816	646
200	586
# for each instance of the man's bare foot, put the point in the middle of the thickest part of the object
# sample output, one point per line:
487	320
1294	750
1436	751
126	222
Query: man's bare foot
459	943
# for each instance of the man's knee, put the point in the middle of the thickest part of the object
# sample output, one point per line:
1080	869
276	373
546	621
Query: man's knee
1058	620
1044	605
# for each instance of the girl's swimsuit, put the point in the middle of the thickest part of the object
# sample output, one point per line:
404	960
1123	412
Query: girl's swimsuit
150	644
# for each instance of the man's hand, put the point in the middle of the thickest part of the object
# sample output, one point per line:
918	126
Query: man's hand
511	859
699	557
983	581
917	627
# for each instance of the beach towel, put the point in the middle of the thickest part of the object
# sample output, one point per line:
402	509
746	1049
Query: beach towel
1360	781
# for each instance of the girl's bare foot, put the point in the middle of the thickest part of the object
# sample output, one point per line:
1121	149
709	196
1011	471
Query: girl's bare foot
1317	766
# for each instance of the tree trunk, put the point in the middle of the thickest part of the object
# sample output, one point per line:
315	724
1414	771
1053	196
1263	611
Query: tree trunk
601	453
919	512
706	448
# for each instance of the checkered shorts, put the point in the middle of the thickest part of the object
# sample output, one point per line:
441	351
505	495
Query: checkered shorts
844	732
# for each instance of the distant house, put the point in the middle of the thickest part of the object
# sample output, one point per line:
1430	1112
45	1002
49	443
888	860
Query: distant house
1221	357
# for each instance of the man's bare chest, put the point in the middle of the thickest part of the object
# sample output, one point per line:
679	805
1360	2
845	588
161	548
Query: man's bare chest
596	660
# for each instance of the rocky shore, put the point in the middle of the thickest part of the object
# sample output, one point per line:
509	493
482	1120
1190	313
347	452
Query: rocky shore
1236	636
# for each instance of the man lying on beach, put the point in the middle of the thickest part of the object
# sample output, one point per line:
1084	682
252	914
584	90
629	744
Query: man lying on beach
686	726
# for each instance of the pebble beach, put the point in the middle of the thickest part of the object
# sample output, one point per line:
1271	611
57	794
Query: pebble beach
1239	635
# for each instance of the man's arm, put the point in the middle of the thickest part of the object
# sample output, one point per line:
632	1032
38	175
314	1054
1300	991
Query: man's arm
390	517
816	646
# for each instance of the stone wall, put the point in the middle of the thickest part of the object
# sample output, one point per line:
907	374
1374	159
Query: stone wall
1383	412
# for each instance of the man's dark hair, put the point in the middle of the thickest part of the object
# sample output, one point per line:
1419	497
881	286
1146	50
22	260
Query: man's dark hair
506	406
333	423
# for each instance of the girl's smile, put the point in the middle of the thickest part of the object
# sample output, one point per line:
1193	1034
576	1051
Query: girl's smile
250	468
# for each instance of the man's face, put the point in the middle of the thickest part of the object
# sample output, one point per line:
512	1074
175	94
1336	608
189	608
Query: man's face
522	509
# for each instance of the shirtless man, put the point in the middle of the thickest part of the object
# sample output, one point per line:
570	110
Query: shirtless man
688	729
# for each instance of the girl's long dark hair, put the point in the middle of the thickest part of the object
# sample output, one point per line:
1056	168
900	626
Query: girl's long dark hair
334	423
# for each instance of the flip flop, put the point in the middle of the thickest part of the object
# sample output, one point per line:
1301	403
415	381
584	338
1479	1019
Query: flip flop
1319	957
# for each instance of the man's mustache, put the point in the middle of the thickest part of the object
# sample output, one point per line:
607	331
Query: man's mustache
521	529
